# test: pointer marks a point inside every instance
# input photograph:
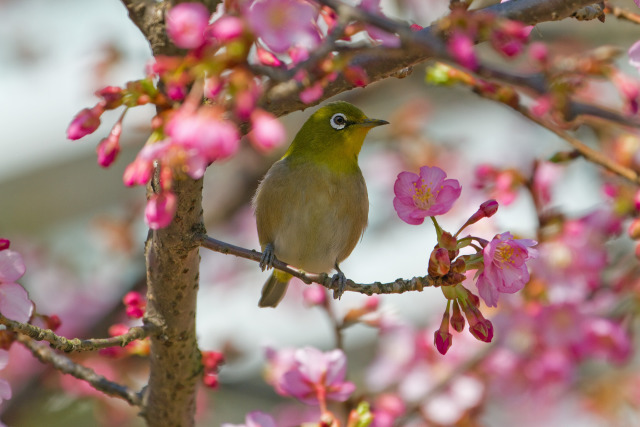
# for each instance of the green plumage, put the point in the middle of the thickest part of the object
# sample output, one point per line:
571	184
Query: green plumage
312	205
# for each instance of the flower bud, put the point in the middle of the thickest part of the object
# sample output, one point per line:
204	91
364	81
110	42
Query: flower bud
460	48
186	23
482	330
84	123
439	262
4	244
160	210
227	28
442	338
443	341
112	97
457	319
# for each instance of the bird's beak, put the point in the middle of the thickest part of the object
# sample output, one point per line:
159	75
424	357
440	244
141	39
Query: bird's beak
371	123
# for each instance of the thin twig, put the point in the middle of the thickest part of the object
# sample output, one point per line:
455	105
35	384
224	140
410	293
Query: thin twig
587	152
621	13
67	366
397	287
68	345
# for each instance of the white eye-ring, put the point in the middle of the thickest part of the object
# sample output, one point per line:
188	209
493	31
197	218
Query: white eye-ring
338	121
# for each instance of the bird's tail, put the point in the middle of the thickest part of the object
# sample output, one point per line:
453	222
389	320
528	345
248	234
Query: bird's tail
274	289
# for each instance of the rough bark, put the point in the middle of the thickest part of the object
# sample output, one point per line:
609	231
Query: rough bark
172	279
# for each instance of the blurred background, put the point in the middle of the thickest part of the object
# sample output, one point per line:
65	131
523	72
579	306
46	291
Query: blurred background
82	232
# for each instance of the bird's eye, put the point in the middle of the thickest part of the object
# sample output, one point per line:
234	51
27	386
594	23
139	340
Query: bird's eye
338	121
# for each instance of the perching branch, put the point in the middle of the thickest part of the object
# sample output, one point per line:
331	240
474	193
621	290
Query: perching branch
68	345
67	366
397	287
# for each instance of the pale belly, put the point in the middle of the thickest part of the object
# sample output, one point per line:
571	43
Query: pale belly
314	219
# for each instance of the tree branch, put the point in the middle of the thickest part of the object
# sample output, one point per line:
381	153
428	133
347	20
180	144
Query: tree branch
587	152
419	46
621	13
68	345
67	366
396	287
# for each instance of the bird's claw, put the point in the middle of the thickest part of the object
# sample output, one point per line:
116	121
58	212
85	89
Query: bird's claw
341	280
268	256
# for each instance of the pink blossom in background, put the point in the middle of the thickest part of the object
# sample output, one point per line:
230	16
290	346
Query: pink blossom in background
255	419
505	268
226	28
547	175
387	408
427	194
278	363
14	299
381	36
160	210
461	49
186	23
281	24
312	93
634	53
85	122
5	388
317	376
314	295
205	134
448	407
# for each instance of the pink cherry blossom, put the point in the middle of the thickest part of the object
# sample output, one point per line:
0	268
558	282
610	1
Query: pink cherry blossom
255	419
311	93
314	295
460	47
206	133
160	210
387	408
14	299
5	388
227	28
427	194
85	122
634	53
266	131
281	24
505	268
317	377
186	23
279	362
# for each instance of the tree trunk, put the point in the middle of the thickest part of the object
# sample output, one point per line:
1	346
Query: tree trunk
172	278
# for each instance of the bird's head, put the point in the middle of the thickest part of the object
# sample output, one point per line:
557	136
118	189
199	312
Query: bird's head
333	135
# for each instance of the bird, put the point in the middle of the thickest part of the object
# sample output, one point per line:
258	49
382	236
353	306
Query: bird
312	207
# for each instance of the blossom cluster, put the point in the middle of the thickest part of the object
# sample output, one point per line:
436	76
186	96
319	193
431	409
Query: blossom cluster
221	67
500	264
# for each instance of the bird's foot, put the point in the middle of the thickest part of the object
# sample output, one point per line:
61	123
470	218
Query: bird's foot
268	256
341	281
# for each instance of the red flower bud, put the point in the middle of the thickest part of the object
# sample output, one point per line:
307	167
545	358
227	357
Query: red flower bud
457	319
482	330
